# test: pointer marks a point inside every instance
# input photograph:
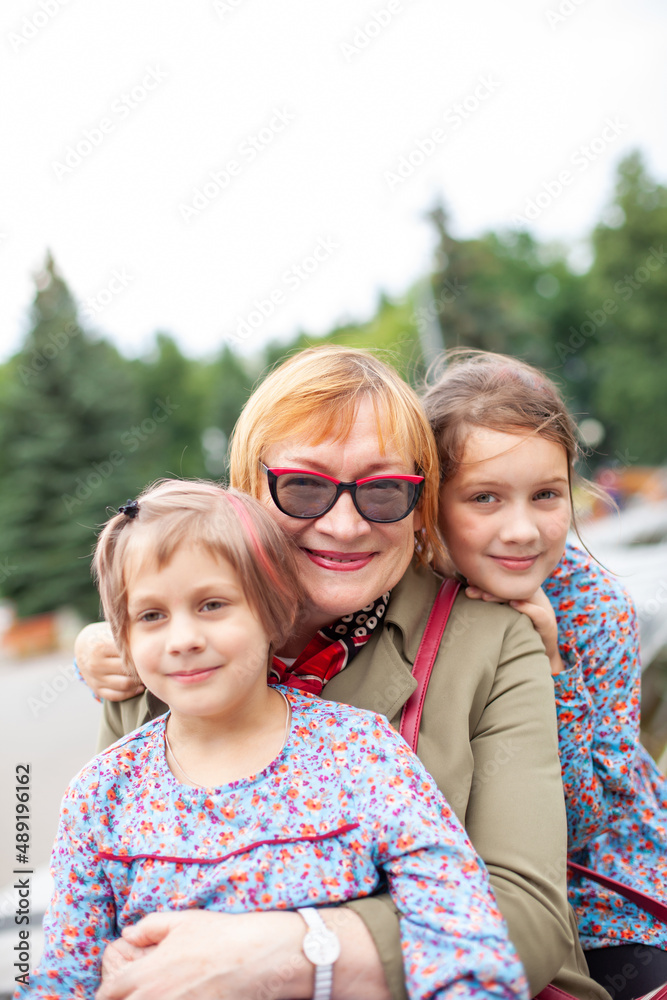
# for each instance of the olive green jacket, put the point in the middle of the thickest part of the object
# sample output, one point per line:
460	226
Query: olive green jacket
488	736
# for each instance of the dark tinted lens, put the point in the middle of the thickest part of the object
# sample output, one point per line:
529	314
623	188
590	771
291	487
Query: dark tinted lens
304	496
385	499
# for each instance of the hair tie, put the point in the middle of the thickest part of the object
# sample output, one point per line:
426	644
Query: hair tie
130	509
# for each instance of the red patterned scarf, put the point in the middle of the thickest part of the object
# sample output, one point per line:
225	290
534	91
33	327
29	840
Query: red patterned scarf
330	650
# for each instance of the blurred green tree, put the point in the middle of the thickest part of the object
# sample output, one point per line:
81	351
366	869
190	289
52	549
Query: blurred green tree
500	292
508	293
621	334
67	400
224	386
392	332
166	441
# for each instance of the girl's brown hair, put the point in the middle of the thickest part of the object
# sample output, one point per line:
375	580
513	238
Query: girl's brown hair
468	388
225	523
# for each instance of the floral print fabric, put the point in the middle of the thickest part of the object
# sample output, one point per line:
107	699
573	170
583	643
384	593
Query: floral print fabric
344	807
616	795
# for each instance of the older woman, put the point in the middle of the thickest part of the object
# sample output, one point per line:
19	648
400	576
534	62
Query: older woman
308	442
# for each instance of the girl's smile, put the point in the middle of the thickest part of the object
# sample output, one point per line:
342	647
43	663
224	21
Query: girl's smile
192	676
505	513
515	563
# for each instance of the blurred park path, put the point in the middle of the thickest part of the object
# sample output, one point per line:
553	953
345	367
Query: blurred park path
49	720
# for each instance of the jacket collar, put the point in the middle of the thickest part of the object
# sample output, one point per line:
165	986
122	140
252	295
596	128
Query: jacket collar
410	605
379	678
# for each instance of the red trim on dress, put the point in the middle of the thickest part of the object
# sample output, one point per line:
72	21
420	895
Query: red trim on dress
240	850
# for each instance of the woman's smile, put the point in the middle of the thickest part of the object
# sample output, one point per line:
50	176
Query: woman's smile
339	561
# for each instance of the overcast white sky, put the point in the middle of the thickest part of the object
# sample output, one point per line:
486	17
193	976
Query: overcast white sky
116	112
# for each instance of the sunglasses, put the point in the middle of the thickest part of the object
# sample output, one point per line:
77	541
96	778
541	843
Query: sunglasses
383	499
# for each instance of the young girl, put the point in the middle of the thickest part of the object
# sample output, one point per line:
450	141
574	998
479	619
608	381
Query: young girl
507	448
246	796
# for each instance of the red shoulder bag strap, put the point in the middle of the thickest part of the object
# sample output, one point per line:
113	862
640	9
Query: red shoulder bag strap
424	660
552	992
640	899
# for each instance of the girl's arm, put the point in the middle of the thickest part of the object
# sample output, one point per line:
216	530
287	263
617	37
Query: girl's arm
454	940
597	696
81	917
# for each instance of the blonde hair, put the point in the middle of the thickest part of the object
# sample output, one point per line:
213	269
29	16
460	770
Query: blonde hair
481	389
315	394
225	523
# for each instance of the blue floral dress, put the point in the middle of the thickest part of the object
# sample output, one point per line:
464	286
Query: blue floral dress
343	808
616	795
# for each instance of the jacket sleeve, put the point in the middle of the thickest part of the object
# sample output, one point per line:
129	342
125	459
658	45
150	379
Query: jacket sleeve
81	917
598	705
454	941
515	814
381	918
122	717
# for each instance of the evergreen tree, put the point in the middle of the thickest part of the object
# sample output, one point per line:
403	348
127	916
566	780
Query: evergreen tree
496	294
67	401
171	401
622	334
393	332
225	386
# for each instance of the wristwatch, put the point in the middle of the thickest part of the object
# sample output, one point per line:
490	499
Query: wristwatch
321	947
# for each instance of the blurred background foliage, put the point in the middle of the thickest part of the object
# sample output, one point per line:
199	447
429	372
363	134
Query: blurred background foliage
82	428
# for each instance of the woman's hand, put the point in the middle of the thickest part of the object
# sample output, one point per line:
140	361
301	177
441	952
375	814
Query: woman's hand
101	666
201	955
541	614
118	955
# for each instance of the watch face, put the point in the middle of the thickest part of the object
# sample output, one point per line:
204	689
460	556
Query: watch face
321	947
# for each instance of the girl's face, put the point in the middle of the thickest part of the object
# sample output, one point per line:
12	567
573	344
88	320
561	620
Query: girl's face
345	561
196	642
505	514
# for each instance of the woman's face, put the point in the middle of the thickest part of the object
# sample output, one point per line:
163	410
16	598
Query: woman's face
345	561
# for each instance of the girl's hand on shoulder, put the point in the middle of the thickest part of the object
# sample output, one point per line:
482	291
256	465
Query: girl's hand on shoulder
100	664
541	614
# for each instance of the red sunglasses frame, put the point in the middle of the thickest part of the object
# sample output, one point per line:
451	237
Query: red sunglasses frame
341	487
